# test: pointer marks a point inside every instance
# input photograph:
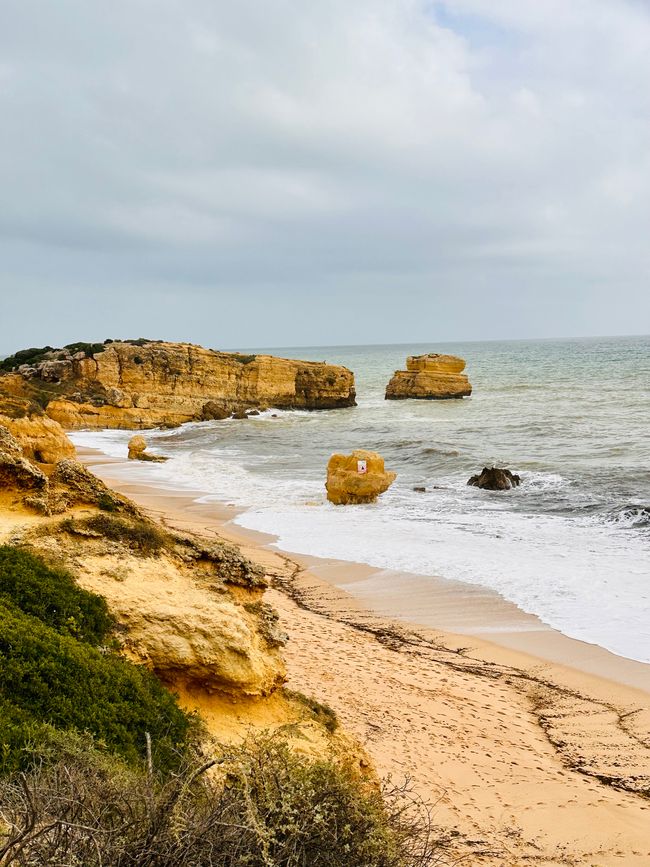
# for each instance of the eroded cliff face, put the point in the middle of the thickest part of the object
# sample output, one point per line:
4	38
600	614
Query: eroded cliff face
190	610
127	385
430	377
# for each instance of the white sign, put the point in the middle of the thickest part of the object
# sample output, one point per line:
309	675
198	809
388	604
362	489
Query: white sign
362	467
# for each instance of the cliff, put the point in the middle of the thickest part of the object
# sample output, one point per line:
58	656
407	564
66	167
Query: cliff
190	610
430	377
143	384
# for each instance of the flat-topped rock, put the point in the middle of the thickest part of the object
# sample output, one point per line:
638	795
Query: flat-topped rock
144	384
430	377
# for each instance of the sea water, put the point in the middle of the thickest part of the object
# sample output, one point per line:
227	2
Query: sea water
570	545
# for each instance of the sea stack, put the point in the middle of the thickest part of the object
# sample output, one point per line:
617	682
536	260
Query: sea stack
430	377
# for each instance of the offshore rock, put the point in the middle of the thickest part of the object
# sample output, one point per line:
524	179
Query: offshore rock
138	451
144	384
430	377
357	478
495	479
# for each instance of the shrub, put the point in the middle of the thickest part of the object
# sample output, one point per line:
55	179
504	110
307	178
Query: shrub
52	678
52	596
267	808
90	349
244	359
30	356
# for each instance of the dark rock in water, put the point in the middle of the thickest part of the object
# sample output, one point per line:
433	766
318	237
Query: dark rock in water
420	489
495	479
252	412
213	411
239	415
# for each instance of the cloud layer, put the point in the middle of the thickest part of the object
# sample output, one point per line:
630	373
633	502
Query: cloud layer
290	173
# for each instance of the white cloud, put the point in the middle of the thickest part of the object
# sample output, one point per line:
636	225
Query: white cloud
466	149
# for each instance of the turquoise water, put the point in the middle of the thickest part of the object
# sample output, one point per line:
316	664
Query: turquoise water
571	544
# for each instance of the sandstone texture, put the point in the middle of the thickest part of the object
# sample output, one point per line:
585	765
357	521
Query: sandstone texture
495	479
16	472
430	377
357	478
42	439
144	384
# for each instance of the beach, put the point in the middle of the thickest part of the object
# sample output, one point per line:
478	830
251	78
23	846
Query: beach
525	760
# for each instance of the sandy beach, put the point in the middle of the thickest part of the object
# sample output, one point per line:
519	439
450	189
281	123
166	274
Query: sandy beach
532	747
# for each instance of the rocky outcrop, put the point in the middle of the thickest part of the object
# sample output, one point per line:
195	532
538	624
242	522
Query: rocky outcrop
357	478
145	384
42	439
495	479
16	472
138	451
430	377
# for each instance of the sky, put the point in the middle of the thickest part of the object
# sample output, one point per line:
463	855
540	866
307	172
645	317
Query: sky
293	172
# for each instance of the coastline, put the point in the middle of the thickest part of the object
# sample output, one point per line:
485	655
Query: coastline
460	614
524	759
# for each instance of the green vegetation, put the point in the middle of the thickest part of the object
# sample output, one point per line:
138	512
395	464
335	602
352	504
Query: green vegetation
53	676
244	359
89	348
267	807
25	356
141	536
51	596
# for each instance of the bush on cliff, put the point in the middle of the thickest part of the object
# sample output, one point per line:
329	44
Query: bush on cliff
52	596
265	807
53	676
29	356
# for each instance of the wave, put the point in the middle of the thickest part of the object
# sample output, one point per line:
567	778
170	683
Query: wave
630	517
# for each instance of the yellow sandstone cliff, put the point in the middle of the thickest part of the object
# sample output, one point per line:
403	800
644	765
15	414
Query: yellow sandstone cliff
430	377
146	384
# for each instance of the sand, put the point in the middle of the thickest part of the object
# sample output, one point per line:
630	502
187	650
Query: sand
533	748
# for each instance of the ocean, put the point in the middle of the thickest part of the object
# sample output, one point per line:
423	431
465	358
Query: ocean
572	417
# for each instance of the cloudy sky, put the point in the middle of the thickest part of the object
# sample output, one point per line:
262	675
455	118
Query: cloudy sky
300	172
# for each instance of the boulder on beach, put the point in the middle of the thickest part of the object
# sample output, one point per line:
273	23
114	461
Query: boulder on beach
137	451
495	479
357	478
430	377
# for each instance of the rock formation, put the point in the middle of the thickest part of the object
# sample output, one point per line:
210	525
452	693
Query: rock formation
138	451
16	472
357	478
190	609
430	377
495	479
143	384
43	440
